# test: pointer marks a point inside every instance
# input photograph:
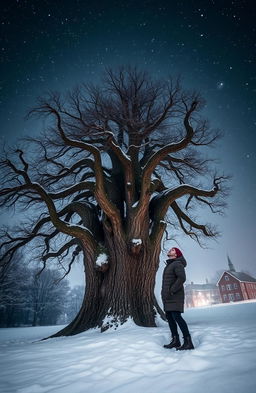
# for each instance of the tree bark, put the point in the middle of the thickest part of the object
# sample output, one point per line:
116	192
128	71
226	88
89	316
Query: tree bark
125	290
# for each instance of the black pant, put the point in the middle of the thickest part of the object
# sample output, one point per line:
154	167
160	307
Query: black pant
174	318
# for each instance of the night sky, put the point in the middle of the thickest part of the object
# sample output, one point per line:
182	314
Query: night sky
211	44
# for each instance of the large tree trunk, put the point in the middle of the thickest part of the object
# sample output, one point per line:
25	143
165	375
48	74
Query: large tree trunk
125	290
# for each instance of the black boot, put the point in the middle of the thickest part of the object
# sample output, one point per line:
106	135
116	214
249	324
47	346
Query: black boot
186	345
174	343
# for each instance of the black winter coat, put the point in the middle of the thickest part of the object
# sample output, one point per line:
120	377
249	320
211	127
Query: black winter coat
172	285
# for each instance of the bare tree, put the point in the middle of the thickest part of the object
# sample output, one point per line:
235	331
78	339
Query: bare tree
114	165
74	302
15	293
47	295
26	298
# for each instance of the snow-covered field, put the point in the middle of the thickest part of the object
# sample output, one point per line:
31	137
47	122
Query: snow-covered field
132	359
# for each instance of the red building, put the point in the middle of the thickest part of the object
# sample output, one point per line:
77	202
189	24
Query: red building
236	286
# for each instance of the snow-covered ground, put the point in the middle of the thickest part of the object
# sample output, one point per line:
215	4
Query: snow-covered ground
132	359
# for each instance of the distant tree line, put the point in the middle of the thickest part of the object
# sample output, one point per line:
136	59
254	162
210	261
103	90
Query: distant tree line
30	300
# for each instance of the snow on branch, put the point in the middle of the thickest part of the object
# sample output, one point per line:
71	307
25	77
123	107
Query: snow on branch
102	262
101	259
136	242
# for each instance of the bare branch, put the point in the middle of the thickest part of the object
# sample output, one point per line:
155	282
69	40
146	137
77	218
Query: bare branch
64	248
160	203
162	153
182	216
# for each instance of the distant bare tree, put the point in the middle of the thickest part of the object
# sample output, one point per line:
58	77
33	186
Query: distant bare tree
15	293
47	296
29	299
116	164
74	302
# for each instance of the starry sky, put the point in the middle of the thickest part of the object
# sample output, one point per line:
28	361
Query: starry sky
211	43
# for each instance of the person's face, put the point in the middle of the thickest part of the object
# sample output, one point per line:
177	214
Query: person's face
172	253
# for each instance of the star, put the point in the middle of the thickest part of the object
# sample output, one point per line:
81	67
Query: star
220	85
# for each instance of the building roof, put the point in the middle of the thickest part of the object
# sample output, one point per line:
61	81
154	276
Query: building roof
244	277
200	287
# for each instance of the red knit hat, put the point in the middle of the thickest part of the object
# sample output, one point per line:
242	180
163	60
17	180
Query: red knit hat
178	252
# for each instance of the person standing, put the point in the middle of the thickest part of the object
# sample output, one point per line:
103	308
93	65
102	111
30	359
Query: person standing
173	299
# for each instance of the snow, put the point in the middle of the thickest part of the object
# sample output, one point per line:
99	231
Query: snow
75	226
122	152
132	358
102	259
136	242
